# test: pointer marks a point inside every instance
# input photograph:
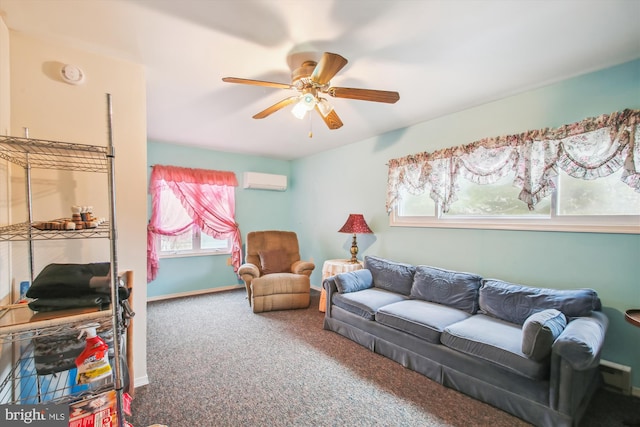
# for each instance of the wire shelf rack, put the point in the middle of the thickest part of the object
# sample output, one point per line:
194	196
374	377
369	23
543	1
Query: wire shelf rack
26	231
44	154
26	382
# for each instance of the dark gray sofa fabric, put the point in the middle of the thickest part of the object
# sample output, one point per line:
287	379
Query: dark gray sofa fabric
453	288
432	360
539	332
423	319
554	391
366	302
495	341
353	281
390	275
515	303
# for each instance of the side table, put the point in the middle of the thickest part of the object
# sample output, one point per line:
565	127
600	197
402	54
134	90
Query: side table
332	267
632	316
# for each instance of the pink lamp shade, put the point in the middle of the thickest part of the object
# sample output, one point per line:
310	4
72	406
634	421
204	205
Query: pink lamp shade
355	224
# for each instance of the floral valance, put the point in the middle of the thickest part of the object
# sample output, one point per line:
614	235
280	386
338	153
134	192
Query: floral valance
589	149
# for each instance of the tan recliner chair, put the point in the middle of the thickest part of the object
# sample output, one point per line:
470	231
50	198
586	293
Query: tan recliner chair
274	275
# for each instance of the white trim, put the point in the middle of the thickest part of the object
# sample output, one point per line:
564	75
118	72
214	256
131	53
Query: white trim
140	381
570	224
193	293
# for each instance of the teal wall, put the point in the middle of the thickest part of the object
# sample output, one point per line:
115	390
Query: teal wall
609	263
328	186
255	210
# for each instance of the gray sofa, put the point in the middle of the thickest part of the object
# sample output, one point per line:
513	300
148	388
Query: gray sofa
532	352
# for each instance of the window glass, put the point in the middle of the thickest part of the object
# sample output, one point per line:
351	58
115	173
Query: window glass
498	199
193	242
602	196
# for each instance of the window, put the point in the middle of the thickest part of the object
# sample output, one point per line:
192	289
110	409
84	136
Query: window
192	212
193	241
580	177
602	205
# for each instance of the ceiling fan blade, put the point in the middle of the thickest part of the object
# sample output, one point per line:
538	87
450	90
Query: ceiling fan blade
364	94
256	82
332	120
329	65
275	107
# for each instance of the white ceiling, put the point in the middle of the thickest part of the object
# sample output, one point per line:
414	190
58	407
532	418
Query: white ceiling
442	56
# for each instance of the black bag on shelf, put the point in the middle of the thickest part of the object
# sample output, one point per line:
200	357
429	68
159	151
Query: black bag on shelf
71	280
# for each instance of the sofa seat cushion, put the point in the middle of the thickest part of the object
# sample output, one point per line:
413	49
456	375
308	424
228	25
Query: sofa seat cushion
496	341
423	319
365	303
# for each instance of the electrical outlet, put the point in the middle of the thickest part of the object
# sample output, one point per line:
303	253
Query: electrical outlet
229	261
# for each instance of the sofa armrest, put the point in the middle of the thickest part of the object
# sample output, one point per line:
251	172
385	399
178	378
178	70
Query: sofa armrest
303	267
329	285
581	341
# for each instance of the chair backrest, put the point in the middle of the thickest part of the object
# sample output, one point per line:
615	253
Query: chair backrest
272	240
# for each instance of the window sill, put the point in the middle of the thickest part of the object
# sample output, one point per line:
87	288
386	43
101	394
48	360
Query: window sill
564	225
192	254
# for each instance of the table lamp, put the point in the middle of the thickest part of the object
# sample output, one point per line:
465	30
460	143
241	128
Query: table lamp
355	224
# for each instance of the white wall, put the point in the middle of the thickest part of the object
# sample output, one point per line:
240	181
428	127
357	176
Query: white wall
54	110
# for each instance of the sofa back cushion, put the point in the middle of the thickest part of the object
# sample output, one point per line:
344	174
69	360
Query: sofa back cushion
452	288
515	303
389	275
353	281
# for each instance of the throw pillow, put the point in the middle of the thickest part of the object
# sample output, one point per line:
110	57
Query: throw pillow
539	332
353	281
389	275
450	288
275	261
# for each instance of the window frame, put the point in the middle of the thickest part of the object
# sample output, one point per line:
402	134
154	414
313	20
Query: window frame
617	224
196	239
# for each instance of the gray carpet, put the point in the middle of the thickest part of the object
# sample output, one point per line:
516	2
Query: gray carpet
212	362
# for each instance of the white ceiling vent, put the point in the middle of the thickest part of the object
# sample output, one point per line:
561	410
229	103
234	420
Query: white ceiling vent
265	181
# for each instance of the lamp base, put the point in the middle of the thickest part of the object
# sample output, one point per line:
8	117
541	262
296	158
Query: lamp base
354	250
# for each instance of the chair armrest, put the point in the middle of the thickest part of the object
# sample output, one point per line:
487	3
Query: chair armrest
581	341
303	267
248	272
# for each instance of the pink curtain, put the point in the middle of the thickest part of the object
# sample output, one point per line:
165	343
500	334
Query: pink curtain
208	196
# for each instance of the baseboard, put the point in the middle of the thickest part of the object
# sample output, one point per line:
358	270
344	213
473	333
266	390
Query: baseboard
140	381
193	293
635	391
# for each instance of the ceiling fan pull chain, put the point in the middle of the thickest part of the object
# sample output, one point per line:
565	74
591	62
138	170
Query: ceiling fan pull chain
310	126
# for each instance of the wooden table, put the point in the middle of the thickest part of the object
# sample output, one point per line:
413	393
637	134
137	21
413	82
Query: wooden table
633	316
332	267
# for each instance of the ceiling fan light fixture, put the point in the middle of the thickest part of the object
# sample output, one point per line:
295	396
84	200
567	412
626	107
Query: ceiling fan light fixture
308	101
324	107
299	110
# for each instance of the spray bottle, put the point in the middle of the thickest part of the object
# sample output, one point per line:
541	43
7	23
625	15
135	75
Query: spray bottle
93	363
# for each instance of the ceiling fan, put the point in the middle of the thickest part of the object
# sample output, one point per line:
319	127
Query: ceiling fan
311	80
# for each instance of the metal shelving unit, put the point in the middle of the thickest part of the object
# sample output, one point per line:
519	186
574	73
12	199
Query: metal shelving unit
19	326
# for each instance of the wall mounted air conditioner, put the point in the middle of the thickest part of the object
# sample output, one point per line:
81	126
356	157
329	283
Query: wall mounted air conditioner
265	181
